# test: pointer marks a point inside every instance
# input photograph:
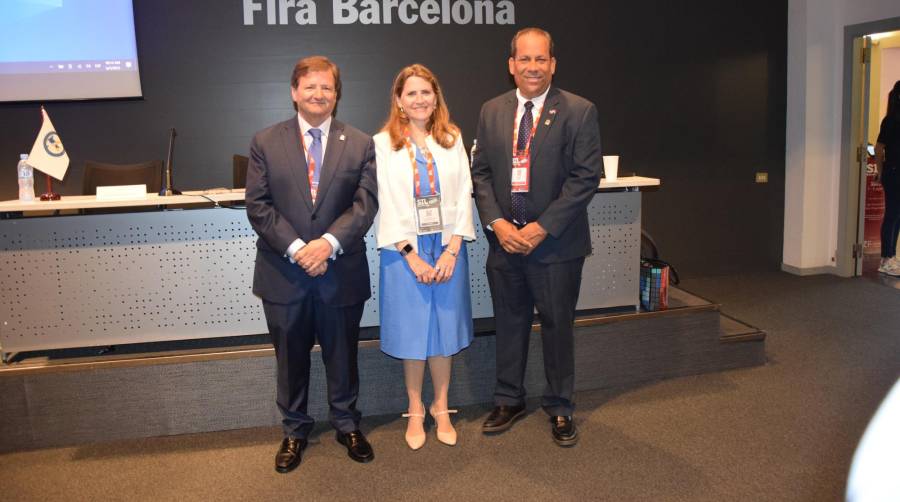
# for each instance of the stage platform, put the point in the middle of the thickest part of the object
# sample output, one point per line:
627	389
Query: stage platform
75	396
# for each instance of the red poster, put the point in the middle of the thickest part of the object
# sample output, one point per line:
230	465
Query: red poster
874	210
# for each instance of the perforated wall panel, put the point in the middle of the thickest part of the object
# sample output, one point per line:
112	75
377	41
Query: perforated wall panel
611	276
93	280
125	278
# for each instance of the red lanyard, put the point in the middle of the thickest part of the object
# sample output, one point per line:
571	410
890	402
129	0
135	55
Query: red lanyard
516	126
311	171
429	167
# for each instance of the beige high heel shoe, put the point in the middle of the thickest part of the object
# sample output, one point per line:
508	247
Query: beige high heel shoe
448	438
416	441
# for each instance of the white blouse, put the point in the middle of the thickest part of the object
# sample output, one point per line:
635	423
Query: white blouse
396	219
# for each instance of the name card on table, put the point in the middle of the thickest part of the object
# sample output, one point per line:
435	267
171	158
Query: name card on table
122	192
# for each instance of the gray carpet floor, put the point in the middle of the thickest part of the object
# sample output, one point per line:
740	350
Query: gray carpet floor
784	431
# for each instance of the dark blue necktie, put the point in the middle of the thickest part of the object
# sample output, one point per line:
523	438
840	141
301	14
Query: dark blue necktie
315	151
526	123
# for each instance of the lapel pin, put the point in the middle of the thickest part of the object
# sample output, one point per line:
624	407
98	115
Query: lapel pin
342	138
552	112
547	122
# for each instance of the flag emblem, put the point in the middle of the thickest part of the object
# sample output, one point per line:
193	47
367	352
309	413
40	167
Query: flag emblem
52	145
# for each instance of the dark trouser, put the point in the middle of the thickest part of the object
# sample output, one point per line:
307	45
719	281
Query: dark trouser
294	329
890	225
518	285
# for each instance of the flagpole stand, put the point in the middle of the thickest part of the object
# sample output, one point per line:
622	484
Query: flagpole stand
50	194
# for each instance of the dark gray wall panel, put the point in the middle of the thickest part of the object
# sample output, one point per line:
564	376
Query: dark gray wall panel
693	93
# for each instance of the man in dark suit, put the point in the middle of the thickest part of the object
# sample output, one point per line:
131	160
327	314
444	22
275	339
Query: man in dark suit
537	166
311	197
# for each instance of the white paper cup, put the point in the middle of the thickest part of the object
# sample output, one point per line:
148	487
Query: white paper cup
610	167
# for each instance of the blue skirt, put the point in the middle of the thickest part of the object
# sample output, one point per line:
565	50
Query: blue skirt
419	321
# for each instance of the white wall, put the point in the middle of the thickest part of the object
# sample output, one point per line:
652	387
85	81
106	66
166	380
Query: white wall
814	115
890	73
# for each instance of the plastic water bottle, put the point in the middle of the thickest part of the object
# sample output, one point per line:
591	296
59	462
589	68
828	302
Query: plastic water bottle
26	179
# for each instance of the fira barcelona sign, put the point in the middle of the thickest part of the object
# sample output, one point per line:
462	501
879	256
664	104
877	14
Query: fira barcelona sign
306	12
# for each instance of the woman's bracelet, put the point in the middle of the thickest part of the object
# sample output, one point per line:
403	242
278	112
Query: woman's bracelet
451	253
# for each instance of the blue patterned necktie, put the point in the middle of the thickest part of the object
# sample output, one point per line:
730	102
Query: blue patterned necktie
315	151
526	123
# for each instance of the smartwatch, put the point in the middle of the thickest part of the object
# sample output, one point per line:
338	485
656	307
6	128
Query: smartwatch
406	249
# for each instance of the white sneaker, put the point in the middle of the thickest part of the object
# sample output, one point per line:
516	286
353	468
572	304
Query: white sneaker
890	267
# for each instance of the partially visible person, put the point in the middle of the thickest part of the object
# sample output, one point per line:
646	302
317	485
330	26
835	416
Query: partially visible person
311	197
536	169
873	473
424	220
887	171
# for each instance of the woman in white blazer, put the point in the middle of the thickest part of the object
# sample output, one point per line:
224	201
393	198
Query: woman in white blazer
424	219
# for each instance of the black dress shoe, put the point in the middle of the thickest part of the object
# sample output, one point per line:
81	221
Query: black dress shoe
357	447
502	418
288	456
564	431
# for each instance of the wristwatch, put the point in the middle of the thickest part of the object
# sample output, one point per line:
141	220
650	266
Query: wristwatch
406	249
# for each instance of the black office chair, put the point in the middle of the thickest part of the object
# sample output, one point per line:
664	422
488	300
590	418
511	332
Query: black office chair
239	171
103	174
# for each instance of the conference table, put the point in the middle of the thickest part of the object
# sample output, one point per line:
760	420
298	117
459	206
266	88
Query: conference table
181	267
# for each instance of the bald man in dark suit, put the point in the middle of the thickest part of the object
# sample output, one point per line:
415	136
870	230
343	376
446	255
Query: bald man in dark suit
537	166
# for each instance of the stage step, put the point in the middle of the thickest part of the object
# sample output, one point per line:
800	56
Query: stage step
735	331
54	401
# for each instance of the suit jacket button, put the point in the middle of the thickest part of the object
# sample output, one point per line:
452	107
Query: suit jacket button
314	217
